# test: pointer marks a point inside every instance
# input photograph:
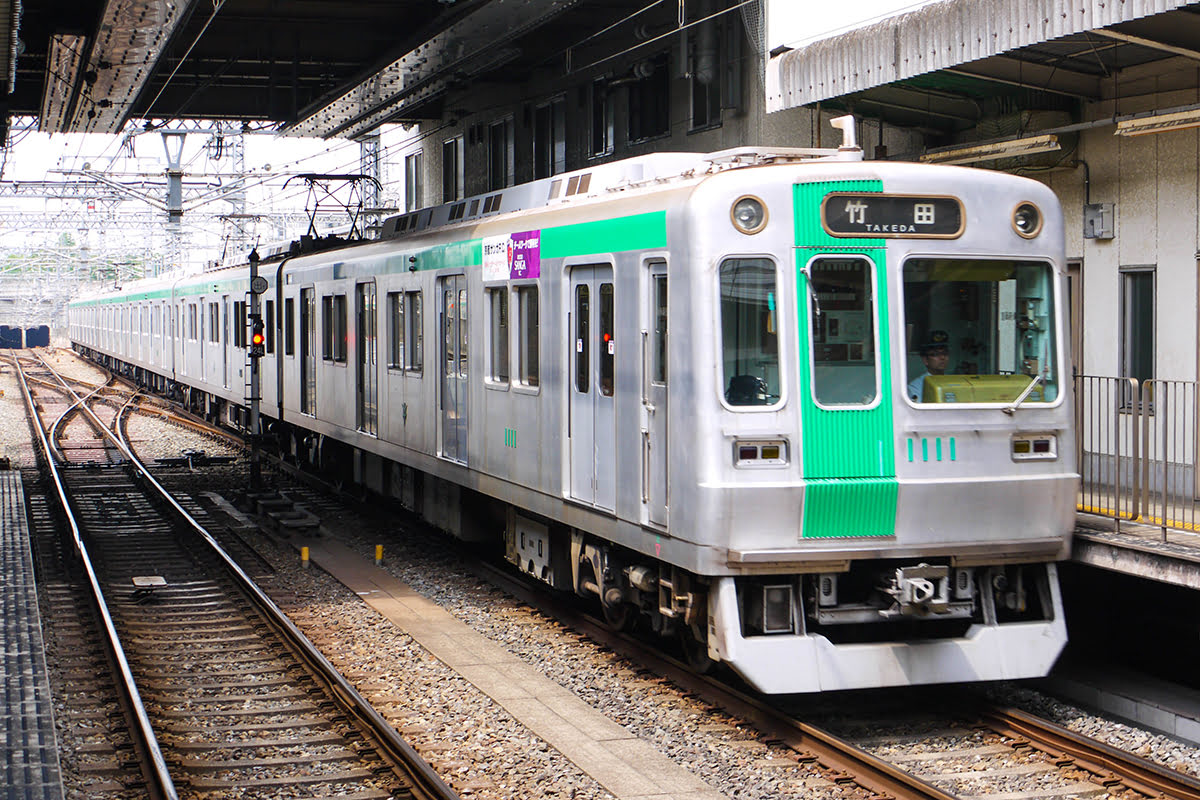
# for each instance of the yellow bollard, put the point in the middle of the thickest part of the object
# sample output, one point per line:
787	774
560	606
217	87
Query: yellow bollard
304	557
378	554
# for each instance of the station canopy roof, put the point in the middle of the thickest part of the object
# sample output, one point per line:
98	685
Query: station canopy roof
955	65
318	67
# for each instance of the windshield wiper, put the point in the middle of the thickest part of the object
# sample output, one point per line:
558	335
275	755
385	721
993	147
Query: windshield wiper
1028	389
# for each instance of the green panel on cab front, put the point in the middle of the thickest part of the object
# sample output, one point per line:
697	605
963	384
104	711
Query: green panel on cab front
848	454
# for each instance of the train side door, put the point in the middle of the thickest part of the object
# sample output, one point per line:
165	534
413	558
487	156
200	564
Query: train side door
225	341
454	338
846	397
366	337
592	434
202	311
308	351
654	396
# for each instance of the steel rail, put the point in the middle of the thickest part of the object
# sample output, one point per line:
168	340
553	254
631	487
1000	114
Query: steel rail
159	783
867	771
1108	763
425	781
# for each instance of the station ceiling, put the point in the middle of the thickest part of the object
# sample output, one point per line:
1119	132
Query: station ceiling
965	66
319	67
344	67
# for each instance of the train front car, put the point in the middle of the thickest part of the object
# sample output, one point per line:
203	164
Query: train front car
890	472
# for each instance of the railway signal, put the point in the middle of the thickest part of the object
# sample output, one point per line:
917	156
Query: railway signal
258	336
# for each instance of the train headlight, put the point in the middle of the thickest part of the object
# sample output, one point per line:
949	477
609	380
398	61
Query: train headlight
749	214
1027	220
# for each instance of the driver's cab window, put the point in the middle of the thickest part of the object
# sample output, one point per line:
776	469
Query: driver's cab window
841	306
749	337
980	331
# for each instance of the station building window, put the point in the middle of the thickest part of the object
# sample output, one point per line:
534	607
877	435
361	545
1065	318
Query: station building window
452	169
601	118
714	57
550	138
413	181
500	154
1137	322
649	100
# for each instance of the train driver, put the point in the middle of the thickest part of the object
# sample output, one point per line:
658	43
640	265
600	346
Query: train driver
935	355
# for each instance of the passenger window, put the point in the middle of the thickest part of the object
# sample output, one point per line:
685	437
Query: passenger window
749	340
658	373
841	306
582	342
527	344
498	334
607	345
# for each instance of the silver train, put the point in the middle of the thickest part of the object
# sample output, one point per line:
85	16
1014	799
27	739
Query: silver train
810	416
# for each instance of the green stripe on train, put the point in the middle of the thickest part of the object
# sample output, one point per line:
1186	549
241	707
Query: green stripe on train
849	457
635	232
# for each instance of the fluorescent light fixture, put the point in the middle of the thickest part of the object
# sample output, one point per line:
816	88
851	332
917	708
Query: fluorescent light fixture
988	152
1159	123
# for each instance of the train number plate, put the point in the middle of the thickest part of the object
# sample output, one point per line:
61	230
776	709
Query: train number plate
892	216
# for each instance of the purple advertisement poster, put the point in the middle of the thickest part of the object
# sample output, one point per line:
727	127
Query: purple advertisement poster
525	255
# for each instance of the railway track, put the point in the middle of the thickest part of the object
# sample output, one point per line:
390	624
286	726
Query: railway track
979	751
220	692
965	747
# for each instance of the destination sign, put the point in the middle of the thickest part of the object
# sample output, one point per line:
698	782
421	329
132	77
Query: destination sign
892	216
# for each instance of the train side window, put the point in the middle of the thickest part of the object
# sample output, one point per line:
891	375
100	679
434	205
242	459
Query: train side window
841	302
582	341
405	340
333	327
214	322
498	340
527	335
749	337
395	314
192	321
607	345
658	354
269	325
289	326
239	324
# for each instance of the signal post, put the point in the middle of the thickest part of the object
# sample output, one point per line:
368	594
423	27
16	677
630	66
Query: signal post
257	349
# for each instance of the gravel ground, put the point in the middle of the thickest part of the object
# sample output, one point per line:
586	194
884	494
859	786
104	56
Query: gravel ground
481	750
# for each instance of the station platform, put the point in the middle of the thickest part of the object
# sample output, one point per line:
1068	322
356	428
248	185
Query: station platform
1143	551
31	768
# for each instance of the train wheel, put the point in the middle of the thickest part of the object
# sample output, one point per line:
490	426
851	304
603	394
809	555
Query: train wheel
619	617
695	651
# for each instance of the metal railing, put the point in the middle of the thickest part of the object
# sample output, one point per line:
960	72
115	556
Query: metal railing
1136	444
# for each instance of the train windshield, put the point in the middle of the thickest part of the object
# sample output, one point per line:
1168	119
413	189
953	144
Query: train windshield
980	331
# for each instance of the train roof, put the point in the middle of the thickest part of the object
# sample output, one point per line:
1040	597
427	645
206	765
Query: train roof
602	179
